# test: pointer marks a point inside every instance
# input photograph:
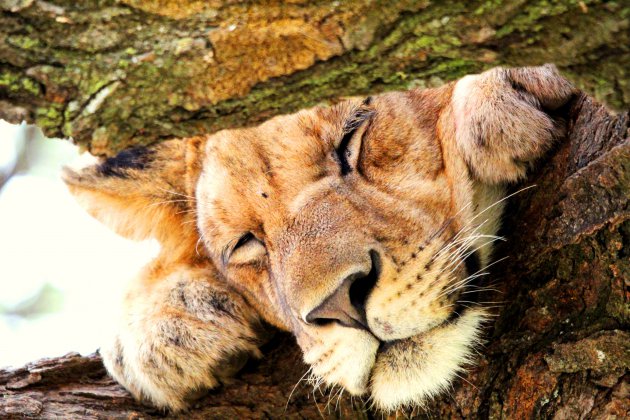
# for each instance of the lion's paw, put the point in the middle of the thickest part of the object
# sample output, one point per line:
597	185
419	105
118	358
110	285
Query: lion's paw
180	337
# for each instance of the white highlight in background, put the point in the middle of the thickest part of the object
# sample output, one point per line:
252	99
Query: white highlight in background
45	237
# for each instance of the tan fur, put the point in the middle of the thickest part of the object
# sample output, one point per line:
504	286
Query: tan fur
418	197
180	335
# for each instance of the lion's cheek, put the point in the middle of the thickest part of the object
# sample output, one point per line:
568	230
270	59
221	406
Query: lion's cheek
414	370
408	305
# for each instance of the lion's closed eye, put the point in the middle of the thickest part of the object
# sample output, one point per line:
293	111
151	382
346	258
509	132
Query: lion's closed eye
248	249
347	151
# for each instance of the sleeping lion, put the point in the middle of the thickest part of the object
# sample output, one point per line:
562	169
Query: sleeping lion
362	228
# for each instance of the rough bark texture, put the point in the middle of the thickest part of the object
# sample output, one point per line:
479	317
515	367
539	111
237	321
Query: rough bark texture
111	74
560	347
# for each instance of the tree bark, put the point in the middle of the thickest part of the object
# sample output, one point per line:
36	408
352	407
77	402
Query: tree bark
111	74
560	347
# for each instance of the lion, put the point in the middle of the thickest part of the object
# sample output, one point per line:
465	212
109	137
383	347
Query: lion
362	228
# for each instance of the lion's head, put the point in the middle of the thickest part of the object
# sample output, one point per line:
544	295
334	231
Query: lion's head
362	228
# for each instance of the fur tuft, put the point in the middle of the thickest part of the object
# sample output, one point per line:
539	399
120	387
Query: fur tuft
136	158
413	371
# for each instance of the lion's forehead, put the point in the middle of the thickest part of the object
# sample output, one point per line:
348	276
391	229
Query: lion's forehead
256	174
286	153
289	145
266	174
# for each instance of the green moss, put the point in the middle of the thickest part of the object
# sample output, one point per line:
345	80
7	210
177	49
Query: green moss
9	80
30	86
487	7
161	96
24	42
537	10
51	117
18	85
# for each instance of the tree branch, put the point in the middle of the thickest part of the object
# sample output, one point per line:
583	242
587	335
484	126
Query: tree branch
112	74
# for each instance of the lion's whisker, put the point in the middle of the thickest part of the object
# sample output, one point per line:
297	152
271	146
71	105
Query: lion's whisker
295	387
197	245
189	221
463	257
466	380
160	203
339	398
504	199
459	285
465	241
190	211
479	302
464	283
478	289
176	193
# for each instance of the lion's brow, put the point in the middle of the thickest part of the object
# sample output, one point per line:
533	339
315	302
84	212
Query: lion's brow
361	113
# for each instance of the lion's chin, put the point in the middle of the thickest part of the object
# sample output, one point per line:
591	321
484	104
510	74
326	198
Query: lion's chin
409	372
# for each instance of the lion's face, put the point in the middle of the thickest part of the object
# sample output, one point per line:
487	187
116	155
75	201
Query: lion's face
360	228
353	227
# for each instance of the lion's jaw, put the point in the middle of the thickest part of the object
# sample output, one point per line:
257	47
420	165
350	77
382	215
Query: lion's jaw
418	340
306	226
400	373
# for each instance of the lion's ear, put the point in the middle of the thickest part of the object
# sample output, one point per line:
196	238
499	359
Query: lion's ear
143	192
503	118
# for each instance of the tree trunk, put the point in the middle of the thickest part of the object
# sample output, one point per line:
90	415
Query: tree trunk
560	346
113	74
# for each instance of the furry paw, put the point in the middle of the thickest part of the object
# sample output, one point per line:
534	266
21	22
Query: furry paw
180	336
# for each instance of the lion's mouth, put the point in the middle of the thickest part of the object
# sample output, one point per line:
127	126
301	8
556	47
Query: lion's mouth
403	344
412	364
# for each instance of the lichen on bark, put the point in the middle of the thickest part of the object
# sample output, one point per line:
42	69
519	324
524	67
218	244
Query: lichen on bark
113	74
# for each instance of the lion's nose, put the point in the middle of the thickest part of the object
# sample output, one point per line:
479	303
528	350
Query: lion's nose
346	305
